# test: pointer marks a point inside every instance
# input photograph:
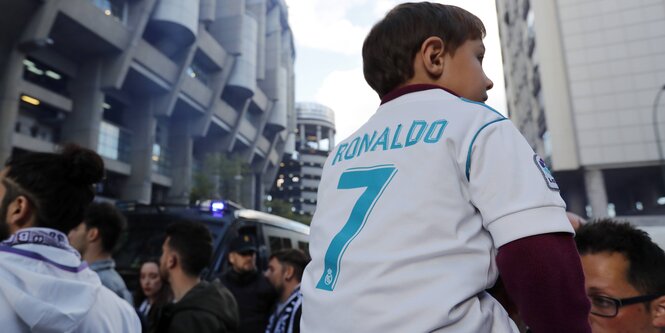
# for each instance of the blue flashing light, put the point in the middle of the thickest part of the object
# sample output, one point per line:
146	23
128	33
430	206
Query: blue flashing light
217	207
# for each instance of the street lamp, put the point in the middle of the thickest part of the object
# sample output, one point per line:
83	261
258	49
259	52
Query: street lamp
656	131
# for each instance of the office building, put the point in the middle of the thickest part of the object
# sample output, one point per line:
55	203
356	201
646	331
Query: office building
300	173
582	78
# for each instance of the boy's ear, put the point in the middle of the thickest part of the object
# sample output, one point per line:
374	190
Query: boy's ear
658	312
432	52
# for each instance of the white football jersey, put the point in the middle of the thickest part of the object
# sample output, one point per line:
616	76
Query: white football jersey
411	211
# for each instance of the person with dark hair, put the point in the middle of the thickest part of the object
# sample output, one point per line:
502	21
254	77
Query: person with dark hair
44	285
198	306
154	293
252	291
95	238
625	277
436	194
284	272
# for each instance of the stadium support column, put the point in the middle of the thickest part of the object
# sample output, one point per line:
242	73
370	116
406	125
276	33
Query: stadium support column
596	193
331	139
303	138
12	64
259	192
318	137
182	146
143	126
82	125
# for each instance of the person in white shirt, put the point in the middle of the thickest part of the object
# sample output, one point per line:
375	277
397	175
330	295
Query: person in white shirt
421	208
44	285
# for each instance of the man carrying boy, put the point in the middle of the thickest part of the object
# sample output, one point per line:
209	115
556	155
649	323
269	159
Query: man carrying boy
423	206
625	277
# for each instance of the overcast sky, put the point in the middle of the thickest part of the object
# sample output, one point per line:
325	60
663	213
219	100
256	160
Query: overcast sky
329	36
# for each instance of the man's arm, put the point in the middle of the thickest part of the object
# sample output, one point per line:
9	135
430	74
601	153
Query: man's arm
543	276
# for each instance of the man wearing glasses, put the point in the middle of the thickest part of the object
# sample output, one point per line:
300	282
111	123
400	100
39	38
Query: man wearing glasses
625	277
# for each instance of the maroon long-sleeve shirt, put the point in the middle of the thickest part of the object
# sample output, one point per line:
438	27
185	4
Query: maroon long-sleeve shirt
543	276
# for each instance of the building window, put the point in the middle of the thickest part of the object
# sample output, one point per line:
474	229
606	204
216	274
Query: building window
114	142
39	120
45	76
161	160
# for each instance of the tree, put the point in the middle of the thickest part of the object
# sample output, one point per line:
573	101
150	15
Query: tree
221	177
285	209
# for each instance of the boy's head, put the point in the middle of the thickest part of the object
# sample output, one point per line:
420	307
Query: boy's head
427	43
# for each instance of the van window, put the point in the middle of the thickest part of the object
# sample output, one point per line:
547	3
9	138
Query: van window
304	247
279	243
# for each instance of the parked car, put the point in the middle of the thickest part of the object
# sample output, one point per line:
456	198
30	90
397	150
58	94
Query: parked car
225	220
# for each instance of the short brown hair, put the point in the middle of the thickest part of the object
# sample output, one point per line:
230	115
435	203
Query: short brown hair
294	258
390	47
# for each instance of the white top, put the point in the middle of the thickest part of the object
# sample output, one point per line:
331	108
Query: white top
411	210
38	296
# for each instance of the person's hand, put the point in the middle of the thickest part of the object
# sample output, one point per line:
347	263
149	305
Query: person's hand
575	220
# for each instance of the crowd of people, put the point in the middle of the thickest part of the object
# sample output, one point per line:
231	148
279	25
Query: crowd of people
58	275
480	204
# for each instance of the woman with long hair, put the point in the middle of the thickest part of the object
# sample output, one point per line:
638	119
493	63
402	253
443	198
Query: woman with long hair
154	293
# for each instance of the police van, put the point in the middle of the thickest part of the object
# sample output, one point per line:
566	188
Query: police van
146	226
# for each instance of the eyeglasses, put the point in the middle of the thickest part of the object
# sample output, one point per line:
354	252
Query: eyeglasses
608	307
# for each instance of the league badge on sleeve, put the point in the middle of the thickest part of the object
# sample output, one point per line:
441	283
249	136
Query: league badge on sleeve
547	174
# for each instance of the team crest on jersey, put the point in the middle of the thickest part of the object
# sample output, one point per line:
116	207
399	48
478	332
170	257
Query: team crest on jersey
545	171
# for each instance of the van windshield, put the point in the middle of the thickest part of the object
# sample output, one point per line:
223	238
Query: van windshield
145	236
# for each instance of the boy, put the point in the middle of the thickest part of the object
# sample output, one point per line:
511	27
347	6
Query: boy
437	193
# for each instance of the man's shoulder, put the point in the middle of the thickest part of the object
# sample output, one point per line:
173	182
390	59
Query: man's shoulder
111	279
114	311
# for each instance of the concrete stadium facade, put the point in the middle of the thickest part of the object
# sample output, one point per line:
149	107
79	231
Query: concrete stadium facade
153	86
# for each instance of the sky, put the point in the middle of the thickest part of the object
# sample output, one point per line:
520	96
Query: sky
329	36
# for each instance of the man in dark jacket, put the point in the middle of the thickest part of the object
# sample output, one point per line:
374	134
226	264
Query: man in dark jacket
252	291
198	306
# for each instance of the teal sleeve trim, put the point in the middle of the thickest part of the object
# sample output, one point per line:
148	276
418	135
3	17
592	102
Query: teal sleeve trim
482	104
468	155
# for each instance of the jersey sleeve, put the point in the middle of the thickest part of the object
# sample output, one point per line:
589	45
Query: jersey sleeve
511	186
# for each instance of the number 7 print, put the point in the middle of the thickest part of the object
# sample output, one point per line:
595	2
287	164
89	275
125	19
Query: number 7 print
375	180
